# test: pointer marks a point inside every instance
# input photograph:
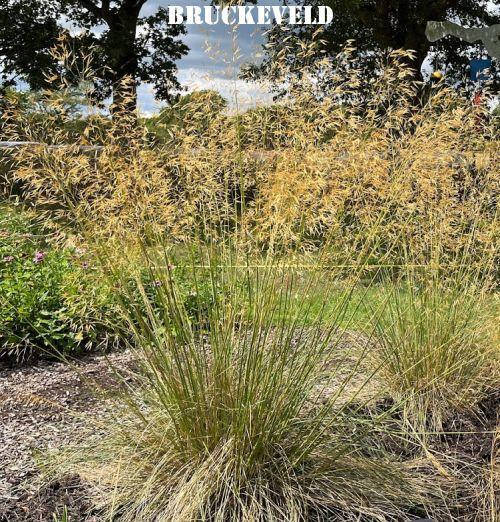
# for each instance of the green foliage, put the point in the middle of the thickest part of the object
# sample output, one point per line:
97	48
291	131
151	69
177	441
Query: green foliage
42	116
50	306
29	29
193	112
196	295
56	301
375	27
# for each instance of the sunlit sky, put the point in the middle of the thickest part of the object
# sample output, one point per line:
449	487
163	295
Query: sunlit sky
216	53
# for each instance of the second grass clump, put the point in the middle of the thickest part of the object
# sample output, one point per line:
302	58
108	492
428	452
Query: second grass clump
435	343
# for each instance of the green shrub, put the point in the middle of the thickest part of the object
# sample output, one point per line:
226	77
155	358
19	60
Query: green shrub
51	305
196	295
57	301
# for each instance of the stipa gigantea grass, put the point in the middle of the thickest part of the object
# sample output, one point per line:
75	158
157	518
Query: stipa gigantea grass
318	167
253	417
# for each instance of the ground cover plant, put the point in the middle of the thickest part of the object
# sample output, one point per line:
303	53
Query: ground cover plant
54	300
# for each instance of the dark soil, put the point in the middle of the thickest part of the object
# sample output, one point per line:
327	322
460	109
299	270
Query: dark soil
464	431
68	497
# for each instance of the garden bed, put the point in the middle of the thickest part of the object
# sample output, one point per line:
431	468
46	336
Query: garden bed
42	407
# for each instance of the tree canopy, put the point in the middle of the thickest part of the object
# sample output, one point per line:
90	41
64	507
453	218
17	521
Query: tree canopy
379	25
125	44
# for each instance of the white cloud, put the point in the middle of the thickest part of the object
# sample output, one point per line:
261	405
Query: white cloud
238	93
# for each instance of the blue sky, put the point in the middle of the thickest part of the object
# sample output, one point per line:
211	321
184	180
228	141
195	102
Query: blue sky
211	61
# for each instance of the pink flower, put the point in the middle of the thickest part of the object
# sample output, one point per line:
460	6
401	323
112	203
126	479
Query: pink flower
8	259
39	256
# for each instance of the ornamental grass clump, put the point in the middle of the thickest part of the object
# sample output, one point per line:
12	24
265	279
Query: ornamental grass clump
253	416
436	342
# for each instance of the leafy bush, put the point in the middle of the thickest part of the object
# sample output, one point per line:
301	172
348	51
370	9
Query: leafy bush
50	305
193	111
196	297
56	301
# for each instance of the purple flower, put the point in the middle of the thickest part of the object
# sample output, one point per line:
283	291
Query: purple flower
8	259
156	283
85	265
39	256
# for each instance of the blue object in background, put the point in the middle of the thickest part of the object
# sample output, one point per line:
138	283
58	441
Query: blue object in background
477	67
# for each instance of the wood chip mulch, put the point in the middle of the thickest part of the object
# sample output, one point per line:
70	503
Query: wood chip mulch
40	408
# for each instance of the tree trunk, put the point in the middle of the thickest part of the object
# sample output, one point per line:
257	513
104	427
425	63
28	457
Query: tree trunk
121	46
123	58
